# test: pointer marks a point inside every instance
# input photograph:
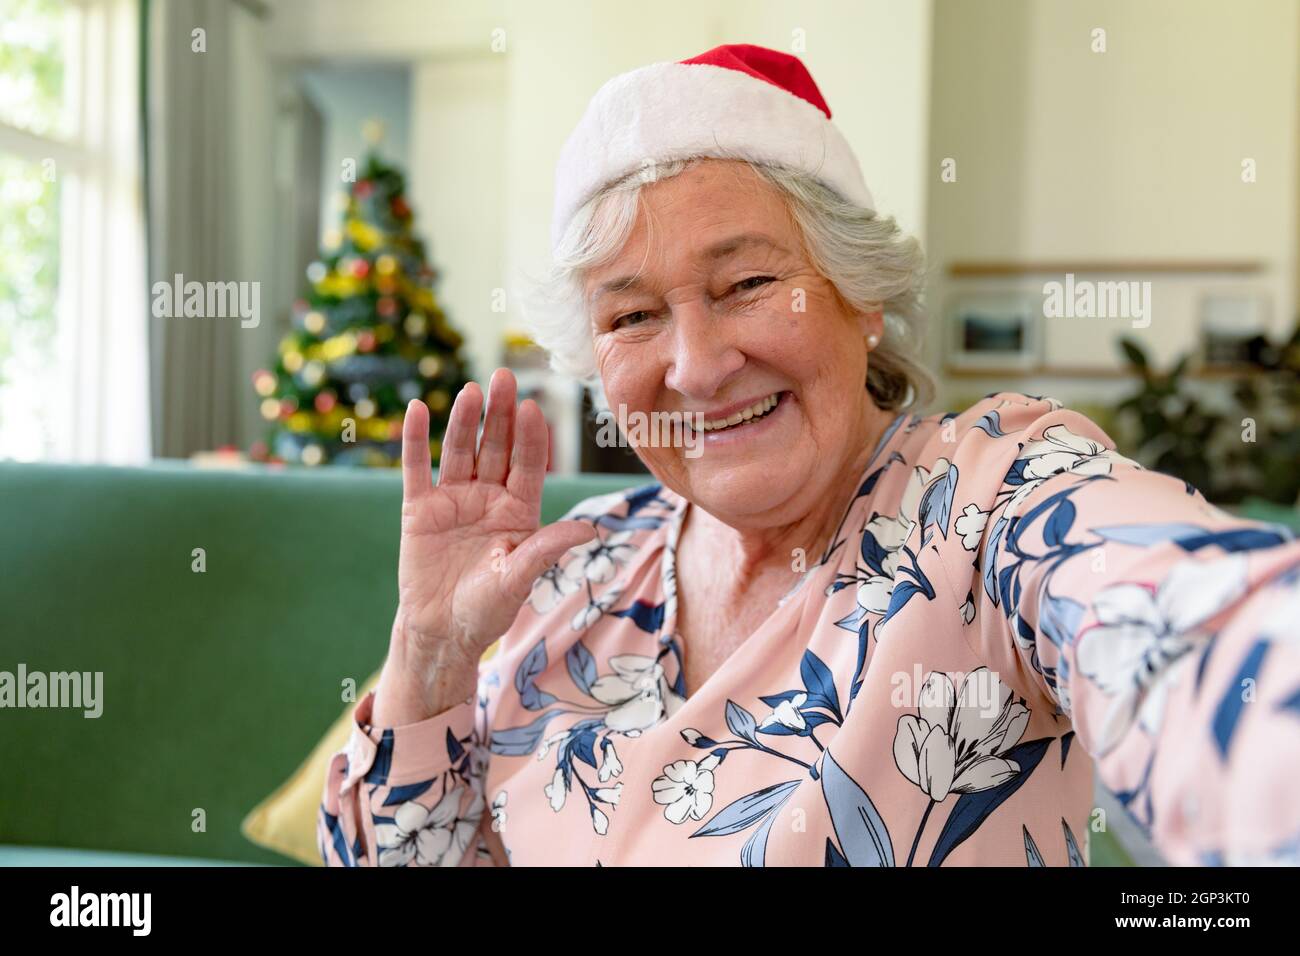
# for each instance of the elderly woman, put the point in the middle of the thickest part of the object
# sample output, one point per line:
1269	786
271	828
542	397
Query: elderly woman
833	632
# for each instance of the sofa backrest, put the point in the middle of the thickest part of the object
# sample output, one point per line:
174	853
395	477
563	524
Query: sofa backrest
217	684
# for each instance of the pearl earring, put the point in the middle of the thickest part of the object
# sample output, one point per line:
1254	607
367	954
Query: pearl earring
873	340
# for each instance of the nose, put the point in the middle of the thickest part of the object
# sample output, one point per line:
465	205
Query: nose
703	353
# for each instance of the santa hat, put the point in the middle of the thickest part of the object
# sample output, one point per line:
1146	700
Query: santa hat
734	100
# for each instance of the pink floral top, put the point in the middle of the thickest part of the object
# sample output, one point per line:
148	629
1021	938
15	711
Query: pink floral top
1007	602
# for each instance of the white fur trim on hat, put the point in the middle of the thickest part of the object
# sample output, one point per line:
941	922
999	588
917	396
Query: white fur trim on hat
669	111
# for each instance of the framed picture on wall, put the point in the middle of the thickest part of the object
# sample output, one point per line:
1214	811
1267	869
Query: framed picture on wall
1230	323
995	330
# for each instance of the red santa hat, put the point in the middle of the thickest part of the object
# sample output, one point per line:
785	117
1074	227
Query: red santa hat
734	100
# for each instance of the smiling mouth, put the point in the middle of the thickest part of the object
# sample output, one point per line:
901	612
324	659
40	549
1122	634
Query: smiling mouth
756	412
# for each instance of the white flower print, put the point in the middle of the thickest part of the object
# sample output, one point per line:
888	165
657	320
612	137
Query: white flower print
430	836
874	593
1131	653
787	714
599	560
968	609
550	589
610	765
637	693
970	525
875	590
1060	450
686	789
498	811
956	742
545	746
596	609
556	791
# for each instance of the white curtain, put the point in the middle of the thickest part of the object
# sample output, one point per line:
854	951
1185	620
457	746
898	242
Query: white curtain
99	383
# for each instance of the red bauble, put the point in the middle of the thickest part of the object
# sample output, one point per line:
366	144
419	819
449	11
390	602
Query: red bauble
365	341
400	209
361	268
363	189
325	401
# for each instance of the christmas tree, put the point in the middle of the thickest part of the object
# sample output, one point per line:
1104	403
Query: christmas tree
368	338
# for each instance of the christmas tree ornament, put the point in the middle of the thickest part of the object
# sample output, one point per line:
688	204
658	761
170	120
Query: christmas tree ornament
416	325
313	373
372	130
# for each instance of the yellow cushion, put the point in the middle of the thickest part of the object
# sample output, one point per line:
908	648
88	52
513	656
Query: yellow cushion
286	820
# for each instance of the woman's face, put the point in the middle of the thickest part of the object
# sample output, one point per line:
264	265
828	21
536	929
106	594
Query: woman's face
725	312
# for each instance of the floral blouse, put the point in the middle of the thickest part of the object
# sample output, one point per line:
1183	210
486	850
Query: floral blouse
1007	603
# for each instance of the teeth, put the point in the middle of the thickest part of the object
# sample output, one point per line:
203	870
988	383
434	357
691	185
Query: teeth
755	411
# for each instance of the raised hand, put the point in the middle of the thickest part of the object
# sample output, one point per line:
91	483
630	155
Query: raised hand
471	546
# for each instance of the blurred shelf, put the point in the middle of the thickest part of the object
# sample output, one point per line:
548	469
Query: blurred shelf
1067	371
975	268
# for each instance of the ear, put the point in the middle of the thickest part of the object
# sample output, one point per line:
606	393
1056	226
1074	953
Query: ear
872	323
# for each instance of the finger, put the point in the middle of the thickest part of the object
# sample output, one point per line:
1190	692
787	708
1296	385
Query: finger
457	462
532	449
498	429
542	549
417	467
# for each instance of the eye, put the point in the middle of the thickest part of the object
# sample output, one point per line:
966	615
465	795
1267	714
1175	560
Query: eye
631	318
753	282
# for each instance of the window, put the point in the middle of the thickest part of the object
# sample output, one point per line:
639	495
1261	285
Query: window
71	238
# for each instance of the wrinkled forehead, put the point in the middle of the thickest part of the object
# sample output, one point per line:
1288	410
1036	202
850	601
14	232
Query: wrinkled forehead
702	223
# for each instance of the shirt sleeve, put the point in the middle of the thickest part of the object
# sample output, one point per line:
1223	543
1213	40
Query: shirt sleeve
1165	629
409	795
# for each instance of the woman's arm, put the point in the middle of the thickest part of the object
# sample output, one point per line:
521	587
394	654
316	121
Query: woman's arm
408	789
410	795
1166	629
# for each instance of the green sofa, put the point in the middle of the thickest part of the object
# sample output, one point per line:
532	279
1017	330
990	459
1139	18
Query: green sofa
216	684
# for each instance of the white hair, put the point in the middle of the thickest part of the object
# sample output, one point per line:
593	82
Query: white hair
869	260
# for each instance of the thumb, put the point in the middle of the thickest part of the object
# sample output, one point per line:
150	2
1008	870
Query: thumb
541	550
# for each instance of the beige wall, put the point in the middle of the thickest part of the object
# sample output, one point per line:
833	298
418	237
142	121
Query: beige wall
458	142
1132	154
